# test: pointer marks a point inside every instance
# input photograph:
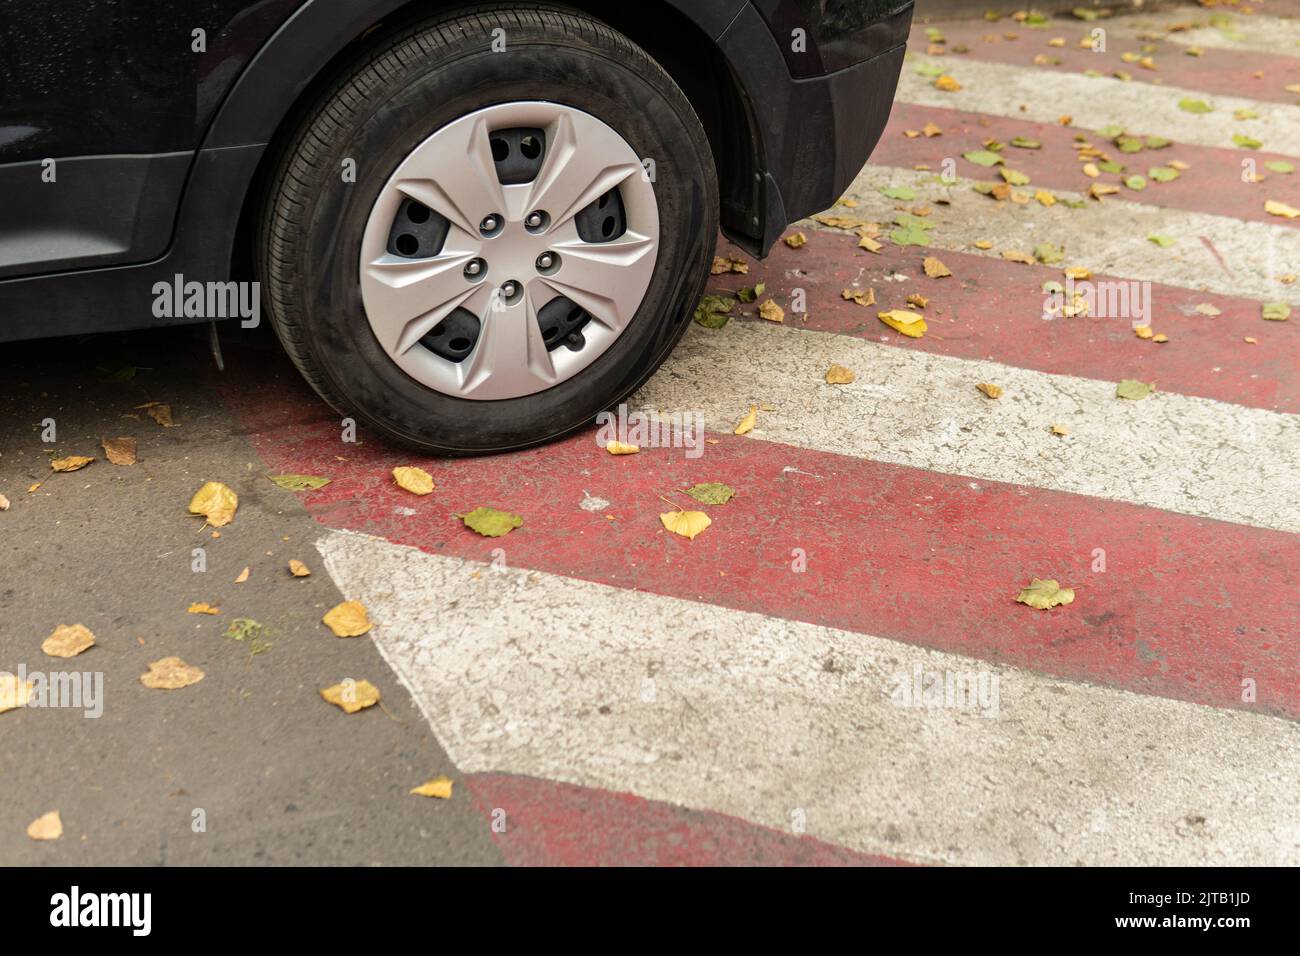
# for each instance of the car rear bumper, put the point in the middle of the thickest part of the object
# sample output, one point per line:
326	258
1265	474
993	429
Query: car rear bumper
815	133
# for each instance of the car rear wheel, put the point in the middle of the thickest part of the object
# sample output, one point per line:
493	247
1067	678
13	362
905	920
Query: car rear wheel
530	221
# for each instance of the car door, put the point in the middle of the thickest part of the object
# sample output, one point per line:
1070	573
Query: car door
102	106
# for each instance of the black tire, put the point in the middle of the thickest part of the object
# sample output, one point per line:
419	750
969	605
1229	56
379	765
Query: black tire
399	94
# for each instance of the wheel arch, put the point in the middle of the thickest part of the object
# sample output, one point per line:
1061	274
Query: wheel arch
306	54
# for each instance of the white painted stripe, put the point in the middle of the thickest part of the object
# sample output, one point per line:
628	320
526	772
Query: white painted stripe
1180	453
1109	237
1028	93
1243	35
775	721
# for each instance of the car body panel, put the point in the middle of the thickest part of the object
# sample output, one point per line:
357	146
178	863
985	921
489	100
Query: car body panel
183	165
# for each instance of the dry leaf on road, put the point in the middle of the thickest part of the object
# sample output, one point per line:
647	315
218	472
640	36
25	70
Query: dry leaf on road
170	673
352	695
989	389
621	448
71	463
771	311
748	422
911	324
13	692
862	297
934	268
119	451
688	524
839	375
298	569
48	826
1045	593
202	607
348	619
438	787
68	640
216	503
415	480
4	503
243	576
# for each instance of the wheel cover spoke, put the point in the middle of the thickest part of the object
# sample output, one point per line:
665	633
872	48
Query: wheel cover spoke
455	174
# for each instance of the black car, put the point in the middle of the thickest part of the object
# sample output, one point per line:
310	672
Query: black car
473	227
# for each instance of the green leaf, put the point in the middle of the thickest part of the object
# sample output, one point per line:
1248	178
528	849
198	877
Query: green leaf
930	69
299	482
1246	142
1023	142
1110	166
712	311
1158	142
711	493
1189	105
750	295
1163	174
491	523
983	157
1276	311
1083	13
1164	242
1049	253
910	235
1136	183
1045	594
904	193
1134	390
1245	114
1279	166
250	632
1111	131
1013	176
1129	144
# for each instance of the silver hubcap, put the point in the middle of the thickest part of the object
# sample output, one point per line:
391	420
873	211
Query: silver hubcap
533	278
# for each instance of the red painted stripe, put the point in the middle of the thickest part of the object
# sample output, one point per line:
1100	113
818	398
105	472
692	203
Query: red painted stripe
1226	72
1213	184
1187	607
992	309
561	824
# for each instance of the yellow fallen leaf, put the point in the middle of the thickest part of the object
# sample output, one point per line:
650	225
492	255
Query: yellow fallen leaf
243	576
1160	337
119	451
348	619
839	375
71	463
1275	208
1078	273
1060	430
725	264
796	241
1097	190
934	268
438	787
202	607
918	300
162	414
1045	593
352	696
748	422
771	311
170	673
911	324
1044	197
415	480
4	503
1143	331
866	242
13	692
989	389
862	297
216	503
983	244
1091	171
48	826
686	523
621	448
930	130
947	84
68	640
1015	255
34	487
298	569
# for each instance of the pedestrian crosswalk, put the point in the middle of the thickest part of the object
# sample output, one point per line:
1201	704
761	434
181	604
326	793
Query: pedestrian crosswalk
837	669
